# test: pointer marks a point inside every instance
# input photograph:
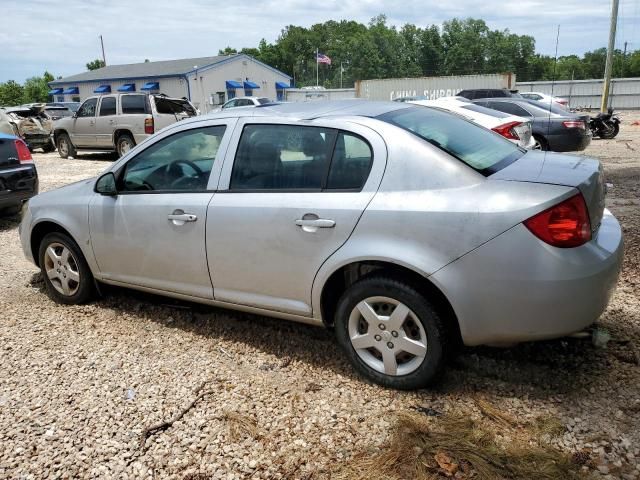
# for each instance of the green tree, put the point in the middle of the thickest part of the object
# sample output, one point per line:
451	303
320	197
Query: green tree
11	93
95	64
36	89
227	51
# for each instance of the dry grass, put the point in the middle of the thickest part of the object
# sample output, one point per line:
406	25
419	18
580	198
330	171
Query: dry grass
549	425
240	426
424	448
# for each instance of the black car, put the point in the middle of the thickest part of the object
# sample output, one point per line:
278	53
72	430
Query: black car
554	128
18	175
475	93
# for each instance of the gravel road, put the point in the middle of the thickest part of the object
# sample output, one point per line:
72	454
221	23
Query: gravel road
80	386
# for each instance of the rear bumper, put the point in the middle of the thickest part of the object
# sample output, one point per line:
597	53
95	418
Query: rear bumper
17	185
37	140
516	288
571	141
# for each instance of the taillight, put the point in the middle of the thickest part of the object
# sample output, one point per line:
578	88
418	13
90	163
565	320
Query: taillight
148	125
508	130
24	155
562	102
574	124
564	225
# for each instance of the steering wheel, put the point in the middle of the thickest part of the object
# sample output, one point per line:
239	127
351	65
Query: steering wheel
175	164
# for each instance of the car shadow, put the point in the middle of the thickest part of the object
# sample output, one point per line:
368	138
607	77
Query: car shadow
96	156
535	370
9	222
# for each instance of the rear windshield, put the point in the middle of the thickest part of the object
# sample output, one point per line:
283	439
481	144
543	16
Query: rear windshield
486	111
174	106
545	107
479	148
262	101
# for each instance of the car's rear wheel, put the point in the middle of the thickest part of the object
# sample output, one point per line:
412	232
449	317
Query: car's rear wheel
540	143
124	144
65	147
65	271
391	333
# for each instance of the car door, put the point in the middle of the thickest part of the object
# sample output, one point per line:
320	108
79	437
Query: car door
289	197
106	121
152	233
83	133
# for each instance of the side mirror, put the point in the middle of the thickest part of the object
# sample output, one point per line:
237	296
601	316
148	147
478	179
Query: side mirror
106	185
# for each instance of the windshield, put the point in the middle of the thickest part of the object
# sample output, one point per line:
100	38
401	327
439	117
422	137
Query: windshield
479	148
58	112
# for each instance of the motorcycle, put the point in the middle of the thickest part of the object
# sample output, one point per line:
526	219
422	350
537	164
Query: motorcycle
605	125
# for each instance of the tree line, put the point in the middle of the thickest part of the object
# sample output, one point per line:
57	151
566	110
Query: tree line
379	50
459	47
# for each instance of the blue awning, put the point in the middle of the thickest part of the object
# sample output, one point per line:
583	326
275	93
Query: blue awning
232	85
151	86
282	85
250	85
56	91
71	91
127	87
103	89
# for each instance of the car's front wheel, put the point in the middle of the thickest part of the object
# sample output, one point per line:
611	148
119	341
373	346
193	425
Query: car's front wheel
391	333
65	271
65	147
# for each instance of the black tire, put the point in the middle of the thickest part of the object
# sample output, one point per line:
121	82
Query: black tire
49	147
609	133
81	291
65	147
124	143
541	143
9	211
436	339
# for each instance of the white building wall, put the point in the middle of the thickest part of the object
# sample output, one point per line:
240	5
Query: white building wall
172	86
209	82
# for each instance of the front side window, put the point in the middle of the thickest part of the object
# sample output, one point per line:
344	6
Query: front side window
181	162
477	147
351	163
88	108
132	104
107	106
282	157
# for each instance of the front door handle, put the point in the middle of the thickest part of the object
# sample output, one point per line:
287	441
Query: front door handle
178	217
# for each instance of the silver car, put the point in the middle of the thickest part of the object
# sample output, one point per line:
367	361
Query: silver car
405	228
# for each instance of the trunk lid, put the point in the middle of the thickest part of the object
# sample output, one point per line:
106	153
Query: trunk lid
583	173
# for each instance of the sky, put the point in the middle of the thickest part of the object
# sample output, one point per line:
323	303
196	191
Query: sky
61	37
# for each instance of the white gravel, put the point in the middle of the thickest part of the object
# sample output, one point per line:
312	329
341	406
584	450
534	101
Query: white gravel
79	385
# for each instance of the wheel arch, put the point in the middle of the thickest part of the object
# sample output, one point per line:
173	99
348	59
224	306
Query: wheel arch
39	231
346	275
56	134
122	131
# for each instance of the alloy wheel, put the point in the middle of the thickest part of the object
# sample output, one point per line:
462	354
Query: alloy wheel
61	268
125	145
63	147
387	336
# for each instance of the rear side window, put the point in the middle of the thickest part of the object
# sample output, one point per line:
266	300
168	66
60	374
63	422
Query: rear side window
107	106
133	104
511	108
351	163
282	157
477	147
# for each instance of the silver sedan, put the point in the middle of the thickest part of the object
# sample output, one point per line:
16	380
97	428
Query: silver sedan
405	228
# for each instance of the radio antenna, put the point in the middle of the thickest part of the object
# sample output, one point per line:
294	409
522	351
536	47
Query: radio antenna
553	80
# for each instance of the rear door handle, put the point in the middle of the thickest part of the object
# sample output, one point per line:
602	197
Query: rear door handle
178	217
318	223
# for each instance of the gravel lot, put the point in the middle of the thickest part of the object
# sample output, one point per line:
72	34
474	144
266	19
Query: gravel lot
79	385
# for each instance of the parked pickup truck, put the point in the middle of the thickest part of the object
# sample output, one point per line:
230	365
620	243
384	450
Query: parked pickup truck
117	122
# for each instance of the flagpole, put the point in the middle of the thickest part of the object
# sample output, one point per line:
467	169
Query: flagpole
317	69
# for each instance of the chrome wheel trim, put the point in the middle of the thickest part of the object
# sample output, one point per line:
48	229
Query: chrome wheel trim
63	147
61	267
125	145
387	336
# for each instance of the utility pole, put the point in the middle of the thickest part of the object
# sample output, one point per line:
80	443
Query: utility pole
609	64
624	59
104	60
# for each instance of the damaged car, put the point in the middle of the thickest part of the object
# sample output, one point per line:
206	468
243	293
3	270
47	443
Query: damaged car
30	124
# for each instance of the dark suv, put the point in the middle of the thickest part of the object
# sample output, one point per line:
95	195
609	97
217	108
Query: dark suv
474	93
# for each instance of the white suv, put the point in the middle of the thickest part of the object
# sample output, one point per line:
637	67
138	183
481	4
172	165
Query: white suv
117	122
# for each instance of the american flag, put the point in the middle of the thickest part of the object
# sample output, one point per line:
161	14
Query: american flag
322	58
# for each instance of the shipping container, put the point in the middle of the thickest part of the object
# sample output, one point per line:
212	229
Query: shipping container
430	87
312	94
